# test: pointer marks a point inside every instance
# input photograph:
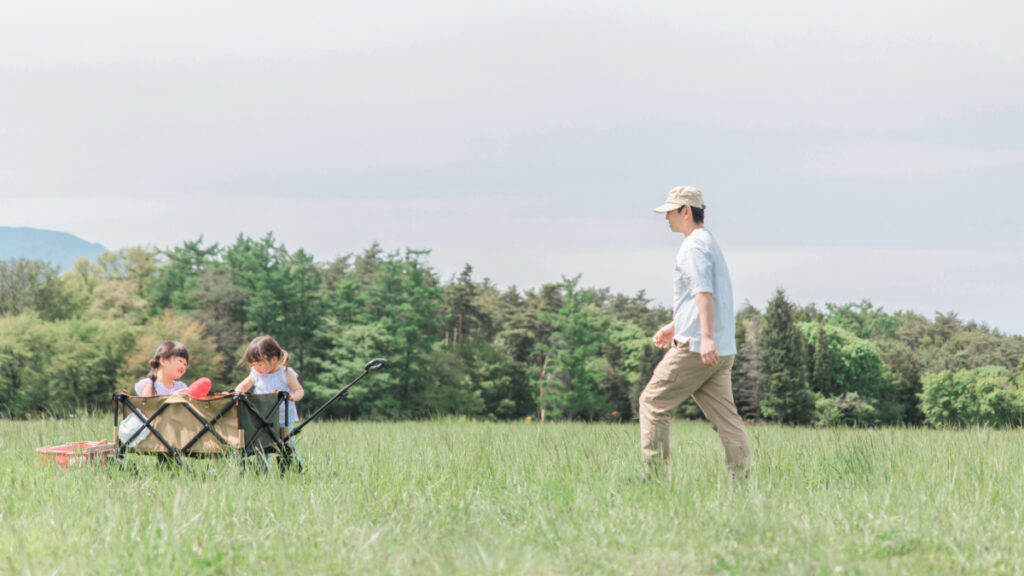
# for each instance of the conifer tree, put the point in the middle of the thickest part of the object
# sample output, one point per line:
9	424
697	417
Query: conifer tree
788	398
460	296
748	376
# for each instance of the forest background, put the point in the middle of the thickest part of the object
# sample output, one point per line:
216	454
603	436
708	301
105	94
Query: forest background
464	347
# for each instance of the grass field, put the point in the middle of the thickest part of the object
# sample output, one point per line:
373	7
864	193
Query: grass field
452	497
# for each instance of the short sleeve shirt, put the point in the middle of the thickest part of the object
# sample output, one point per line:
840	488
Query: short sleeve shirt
700	267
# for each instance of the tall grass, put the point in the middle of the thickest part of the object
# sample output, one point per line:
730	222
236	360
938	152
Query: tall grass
452	497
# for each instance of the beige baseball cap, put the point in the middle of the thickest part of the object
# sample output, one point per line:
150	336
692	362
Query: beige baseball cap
681	196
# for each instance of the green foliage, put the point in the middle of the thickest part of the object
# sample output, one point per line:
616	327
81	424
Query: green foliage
575	389
823	377
456	387
32	286
905	370
594	364
495	377
863	320
260	269
397	316
219	304
462	347
748	375
119	299
846	409
527	322
345	350
59	367
855	367
986	396
637	310
463	313
631	360
788	398
136	265
972	346
25	346
177	272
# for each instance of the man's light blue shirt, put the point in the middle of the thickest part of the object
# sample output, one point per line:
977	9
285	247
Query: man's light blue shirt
700	267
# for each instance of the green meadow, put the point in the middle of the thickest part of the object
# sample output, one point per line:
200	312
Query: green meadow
457	497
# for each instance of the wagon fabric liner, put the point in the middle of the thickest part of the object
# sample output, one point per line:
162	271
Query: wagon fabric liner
215	424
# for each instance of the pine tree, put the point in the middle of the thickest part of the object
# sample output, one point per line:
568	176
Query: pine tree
748	376
788	398
176	276
460	296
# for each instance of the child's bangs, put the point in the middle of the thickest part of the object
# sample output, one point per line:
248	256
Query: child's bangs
262	349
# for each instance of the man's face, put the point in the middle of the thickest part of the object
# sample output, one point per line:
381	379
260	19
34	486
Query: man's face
675	219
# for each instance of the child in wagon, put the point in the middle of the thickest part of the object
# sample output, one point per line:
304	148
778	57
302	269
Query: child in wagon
166	367
168	364
269	373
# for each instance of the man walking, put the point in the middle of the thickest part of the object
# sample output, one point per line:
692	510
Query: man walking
701	341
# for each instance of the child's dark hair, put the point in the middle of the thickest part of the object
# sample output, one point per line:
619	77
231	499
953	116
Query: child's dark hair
167	350
262	348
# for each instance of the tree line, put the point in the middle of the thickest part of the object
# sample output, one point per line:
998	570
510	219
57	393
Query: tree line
463	346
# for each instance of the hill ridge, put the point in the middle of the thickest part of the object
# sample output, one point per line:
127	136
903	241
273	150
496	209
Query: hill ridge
53	246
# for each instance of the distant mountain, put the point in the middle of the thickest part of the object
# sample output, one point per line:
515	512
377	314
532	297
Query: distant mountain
57	248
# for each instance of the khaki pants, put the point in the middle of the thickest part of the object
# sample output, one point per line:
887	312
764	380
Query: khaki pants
679	375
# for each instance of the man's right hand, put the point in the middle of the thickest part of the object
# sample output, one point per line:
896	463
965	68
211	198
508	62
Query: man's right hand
663	337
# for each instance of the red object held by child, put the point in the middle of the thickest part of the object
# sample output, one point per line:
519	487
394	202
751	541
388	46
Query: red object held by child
200	388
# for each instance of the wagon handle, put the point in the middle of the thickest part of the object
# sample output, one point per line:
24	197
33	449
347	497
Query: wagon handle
371	366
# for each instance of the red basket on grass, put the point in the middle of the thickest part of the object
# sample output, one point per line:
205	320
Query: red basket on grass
76	453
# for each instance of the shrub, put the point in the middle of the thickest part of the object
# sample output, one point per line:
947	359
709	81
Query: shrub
983	396
847	409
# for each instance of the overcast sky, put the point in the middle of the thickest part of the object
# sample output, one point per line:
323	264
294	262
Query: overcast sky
846	149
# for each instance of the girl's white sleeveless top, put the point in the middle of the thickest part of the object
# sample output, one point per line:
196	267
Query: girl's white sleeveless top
273	383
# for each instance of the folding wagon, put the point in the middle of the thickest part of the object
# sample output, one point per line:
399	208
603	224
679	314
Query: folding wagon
179	425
